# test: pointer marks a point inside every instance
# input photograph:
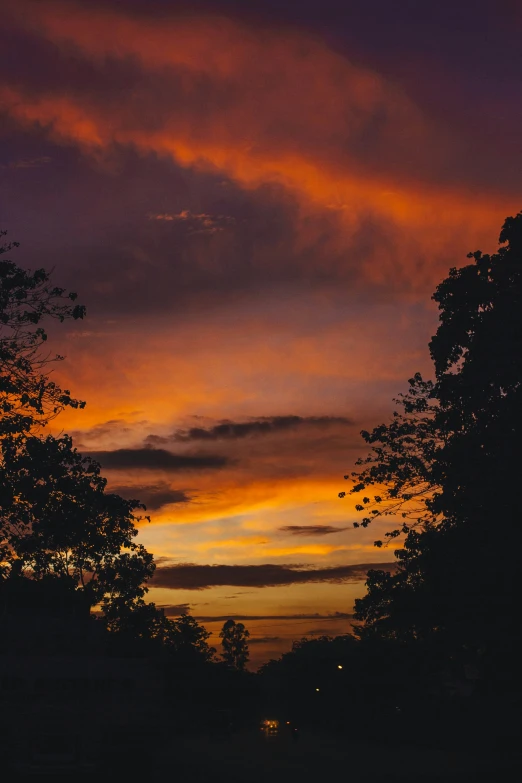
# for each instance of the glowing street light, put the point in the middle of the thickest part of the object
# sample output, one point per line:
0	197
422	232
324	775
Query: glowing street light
339	666
317	689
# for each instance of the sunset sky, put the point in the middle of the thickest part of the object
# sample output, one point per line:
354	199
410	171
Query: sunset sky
255	201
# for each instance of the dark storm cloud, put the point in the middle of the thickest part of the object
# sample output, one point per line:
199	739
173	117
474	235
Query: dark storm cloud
154	496
266	425
189	576
156	459
311	530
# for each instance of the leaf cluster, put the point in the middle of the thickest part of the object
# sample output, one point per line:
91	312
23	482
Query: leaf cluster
56	518
28	396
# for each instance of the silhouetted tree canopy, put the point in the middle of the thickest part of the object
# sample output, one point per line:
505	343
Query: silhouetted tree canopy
27	300
189	640
56	518
234	640
143	626
447	468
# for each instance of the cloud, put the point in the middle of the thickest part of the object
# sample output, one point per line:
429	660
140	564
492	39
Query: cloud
199	223
275	107
27	163
263	640
154	496
265	425
157	440
156	459
189	576
311	530
104	429
253	617
175	610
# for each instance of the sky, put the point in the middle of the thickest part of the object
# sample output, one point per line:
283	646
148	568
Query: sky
255	201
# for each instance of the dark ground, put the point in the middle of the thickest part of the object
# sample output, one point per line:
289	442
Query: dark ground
318	757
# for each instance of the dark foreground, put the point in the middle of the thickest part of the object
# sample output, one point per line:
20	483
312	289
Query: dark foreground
321	757
315	757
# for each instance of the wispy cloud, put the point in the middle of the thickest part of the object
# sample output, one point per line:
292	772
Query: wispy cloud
196	223
154	496
27	163
264	640
311	530
265	425
189	576
156	459
175	610
283	617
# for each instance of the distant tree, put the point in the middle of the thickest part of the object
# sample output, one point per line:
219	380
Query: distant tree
56	518
189	640
234	640
28	396
144	626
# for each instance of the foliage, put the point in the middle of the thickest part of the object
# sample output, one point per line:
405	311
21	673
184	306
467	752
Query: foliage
57	521
448	465
27	395
234	640
401	464
56	518
144	626
189	640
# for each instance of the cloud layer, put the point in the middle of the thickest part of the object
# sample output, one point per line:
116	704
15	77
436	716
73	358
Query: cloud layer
156	459
154	496
311	530
268	425
189	576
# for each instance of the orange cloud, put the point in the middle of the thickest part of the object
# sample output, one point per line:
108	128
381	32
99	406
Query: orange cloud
265	106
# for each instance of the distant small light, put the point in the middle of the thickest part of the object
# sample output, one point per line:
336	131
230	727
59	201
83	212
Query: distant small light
339	666
317	689
288	723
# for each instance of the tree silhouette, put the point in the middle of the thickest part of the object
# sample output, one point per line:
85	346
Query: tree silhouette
234	640
144	628
27	395
56	518
446	467
189	640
